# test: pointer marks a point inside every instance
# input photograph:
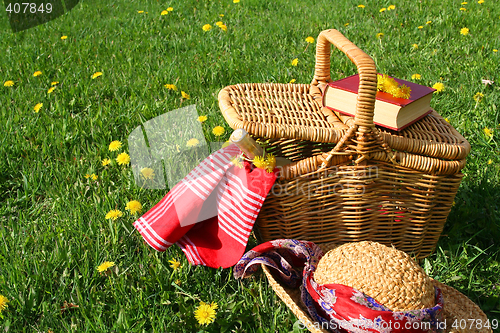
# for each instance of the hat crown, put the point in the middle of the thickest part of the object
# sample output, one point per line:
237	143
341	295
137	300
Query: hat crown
386	274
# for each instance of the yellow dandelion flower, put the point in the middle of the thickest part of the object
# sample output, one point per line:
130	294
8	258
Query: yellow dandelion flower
54	83
113	214
416	77
115	145
428	22
8	83
480	2
205	313
148	173
207	27
87	176
488	132
171	87
447	120
382	10
380	35
175	264
495	50
178	282
236	1
170	9
123	159
164	12
219	23
64	37
218	130
478	97
37	73
185	95
106	161
414	46
51	90
386	83
140	11
391	7
237	160
192	142
380	81
292	81
223	27
361	6
403	91
270	162
37	107
295	62
490	161
464	3
94	176
105	266
96	75
391	86
346	24
133	206
464	31
3	303
463	9
420	26
310	39
202	119
259	162
439	87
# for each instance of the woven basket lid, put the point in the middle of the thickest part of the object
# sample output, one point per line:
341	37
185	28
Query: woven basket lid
388	275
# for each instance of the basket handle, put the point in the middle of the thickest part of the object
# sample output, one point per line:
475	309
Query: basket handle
366	68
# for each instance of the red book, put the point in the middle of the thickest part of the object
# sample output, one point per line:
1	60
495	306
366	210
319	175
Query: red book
391	112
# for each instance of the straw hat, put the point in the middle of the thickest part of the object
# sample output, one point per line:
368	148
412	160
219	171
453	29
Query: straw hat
389	276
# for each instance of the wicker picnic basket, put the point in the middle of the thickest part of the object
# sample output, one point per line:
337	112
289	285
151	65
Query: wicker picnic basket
350	180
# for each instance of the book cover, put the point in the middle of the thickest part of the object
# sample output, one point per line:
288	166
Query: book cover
351	84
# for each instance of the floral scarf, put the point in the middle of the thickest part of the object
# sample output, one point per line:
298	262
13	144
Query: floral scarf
341	308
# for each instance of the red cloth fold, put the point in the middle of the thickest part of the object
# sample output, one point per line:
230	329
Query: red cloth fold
211	212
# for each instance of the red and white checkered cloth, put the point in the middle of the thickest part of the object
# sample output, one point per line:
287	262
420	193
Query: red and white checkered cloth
211	212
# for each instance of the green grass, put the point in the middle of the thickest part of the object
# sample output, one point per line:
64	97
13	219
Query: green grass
53	233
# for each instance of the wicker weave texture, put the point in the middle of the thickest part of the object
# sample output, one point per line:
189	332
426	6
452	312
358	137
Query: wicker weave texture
349	180
346	203
277	111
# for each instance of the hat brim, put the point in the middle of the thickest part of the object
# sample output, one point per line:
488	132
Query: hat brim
291	297
457	307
